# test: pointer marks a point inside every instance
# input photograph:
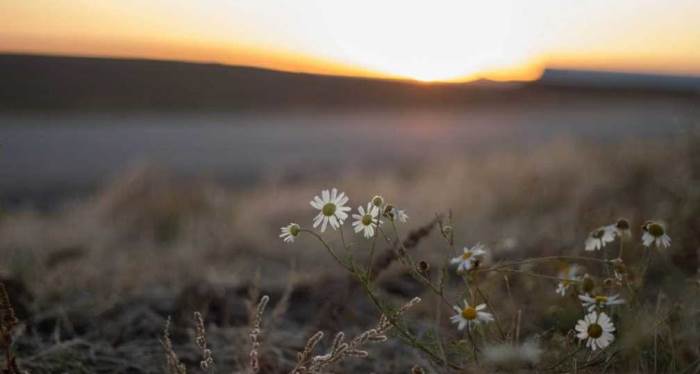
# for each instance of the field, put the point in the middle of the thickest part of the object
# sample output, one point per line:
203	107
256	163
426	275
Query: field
94	280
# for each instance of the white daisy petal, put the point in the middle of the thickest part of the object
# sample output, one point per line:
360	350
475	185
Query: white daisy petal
334	222
318	219
599	237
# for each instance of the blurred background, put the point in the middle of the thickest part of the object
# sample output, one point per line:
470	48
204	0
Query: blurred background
204	127
142	124
150	145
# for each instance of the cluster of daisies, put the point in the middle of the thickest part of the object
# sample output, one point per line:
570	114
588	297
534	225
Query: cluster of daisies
333	212
596	328
652	233
470	316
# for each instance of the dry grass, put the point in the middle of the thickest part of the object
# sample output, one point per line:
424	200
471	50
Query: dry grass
8	324
105	271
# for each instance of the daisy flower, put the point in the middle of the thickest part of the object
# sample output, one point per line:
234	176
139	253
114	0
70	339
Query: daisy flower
599	301
395	214
655	232
468	258
470	316
332	209
596	329
568	275
366	221
399	215
290	232
599	237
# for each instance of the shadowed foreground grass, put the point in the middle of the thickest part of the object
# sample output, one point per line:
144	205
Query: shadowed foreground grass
93	283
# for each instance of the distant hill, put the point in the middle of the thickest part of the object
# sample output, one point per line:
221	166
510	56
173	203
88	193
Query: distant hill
35	82
616	80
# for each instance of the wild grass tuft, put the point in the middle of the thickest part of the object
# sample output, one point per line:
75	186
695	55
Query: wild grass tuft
8	323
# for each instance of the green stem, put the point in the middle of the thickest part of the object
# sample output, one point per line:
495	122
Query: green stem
342	239
622	247
544	259
564	359
328	248
405	333
529	273
371	252
493	311
474	348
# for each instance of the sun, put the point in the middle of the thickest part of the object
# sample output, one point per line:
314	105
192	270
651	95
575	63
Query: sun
424	42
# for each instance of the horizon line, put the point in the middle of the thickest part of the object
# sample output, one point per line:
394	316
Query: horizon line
376	77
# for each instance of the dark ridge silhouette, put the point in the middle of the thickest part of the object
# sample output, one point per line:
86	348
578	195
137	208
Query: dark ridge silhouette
36	82
616	80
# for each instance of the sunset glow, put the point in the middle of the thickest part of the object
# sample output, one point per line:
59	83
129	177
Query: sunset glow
427	41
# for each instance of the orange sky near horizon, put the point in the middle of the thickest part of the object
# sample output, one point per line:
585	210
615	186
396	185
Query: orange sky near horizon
427	41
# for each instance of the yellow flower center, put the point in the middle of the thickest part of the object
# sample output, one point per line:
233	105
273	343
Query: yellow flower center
377	201
601	299
328	209
294	230
655	229
467	255
469	313
366	219
594	330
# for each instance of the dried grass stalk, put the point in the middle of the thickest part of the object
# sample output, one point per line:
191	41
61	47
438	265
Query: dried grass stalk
173	364
340	349
8	322
200	338
255	335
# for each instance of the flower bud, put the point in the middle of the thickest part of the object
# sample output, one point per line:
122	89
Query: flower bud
619	266
377	201
388	209
622	224
423	267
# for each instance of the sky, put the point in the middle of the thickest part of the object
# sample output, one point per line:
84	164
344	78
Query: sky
423	40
